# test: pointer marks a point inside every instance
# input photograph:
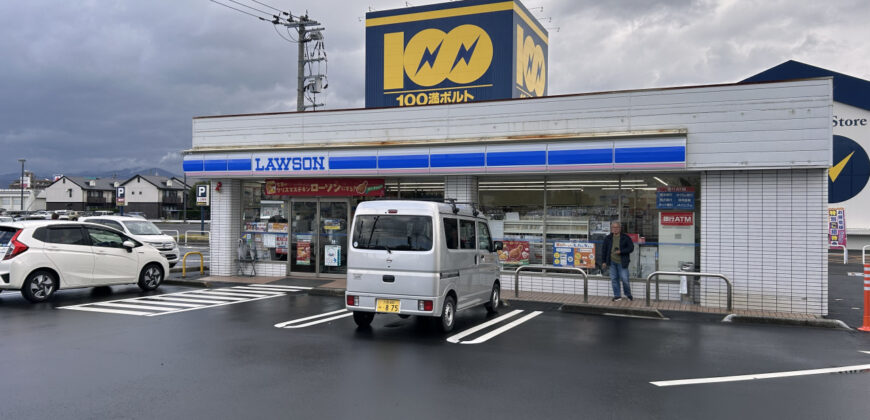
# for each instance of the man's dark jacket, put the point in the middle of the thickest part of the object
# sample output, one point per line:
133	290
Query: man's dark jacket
625	248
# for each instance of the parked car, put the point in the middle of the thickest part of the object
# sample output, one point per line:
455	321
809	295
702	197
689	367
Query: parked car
137	214
41	257
143	231
420	258
4	219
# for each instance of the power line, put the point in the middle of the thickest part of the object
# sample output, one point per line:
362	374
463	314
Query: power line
252	8
239	10
264	4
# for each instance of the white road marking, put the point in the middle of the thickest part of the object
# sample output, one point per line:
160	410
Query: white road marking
862	351
262	289
501	330
457	337
129	306
173	303
293	323
760	376
178	299
277	286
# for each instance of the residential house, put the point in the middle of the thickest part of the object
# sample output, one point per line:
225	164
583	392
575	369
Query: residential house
155	196
81	194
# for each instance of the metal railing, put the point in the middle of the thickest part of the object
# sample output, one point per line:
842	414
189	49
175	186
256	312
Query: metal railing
544	269
184	263
177	233
195	231
845	251
655	274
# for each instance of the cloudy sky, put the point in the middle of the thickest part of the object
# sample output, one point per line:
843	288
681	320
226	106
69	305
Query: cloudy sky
104	85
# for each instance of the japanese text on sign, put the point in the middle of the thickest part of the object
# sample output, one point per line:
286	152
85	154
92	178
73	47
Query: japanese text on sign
837	226
434	98
325	187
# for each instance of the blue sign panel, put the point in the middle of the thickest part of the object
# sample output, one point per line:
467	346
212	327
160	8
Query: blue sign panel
676	198
454	53
850	172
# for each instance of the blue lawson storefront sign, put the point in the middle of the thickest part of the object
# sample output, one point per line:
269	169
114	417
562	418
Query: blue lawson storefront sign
532	157
675	198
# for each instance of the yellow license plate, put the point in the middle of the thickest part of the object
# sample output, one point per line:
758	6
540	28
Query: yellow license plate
388	305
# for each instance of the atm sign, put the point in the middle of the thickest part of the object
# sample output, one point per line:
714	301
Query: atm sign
678	219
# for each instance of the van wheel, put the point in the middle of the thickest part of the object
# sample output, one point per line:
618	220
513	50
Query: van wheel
494	296
363	319
39	286
448	314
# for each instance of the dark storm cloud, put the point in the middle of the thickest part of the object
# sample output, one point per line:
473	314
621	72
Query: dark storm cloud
104	85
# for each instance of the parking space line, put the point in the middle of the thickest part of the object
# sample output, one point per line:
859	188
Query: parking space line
319	319
457	337
501	330
212	306
862	351
773	375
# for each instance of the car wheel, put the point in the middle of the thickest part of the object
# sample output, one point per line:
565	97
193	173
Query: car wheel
448	314
494	296
363	319
151	277
39	286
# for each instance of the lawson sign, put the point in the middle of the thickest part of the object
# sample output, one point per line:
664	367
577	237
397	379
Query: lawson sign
289	164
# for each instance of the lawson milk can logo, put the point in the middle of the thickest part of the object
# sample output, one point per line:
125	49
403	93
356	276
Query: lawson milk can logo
289	163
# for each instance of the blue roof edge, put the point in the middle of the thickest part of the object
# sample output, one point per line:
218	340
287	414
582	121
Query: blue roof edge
848	90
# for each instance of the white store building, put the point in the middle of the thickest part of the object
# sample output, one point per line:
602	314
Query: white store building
729	177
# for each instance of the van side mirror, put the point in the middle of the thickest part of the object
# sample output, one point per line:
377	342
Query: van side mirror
499	245
128	245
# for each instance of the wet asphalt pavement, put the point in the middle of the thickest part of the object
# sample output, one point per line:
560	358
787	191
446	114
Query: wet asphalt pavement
230	361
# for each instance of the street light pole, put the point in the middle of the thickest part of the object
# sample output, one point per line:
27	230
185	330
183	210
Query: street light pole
21	183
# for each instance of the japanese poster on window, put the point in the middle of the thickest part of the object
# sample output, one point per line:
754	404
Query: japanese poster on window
281	244
574	254
303	252
514	252
837	226
332	255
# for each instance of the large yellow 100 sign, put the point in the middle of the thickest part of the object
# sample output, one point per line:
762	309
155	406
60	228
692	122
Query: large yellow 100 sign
531	67
462	56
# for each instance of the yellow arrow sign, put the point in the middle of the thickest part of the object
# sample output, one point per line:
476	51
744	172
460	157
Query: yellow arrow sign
835	170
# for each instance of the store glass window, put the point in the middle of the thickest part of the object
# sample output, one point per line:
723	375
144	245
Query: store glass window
515	206
264	223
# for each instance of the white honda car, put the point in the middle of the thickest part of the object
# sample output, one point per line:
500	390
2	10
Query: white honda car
41	256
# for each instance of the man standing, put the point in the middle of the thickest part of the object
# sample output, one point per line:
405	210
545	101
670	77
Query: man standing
617	248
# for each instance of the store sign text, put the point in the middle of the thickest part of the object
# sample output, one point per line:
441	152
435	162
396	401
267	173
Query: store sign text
849	122
308	163
678	219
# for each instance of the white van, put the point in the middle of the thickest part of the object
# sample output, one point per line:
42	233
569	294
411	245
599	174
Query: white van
420	258
143	231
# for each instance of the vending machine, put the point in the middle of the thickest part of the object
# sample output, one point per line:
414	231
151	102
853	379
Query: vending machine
676	240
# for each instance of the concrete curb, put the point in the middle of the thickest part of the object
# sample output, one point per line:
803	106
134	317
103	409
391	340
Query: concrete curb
818	323
326	291
609	310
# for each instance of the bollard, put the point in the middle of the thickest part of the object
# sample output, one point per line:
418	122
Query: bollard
866	326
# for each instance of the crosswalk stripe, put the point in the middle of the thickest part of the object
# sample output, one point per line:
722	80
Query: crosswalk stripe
247	293
178	299
110	311
278	286
262	289
205	295
129	306
163	302
235	295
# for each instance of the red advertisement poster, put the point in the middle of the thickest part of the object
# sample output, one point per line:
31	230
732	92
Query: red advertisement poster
678	219
303	252
333	187
514	252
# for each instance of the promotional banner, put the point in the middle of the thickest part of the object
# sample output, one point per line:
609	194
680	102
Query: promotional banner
574	254
514	252
332	255
303	252
331	187
281	244
837	226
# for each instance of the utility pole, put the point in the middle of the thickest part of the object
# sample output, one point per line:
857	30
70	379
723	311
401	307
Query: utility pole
307	30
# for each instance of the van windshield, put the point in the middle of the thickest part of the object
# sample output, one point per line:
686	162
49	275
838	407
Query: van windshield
393	232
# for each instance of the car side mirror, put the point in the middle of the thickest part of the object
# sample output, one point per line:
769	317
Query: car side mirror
499	245
128	245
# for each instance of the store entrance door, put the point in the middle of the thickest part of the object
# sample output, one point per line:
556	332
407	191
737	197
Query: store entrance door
318	236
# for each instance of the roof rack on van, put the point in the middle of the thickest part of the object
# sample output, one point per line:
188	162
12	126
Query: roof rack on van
453	204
